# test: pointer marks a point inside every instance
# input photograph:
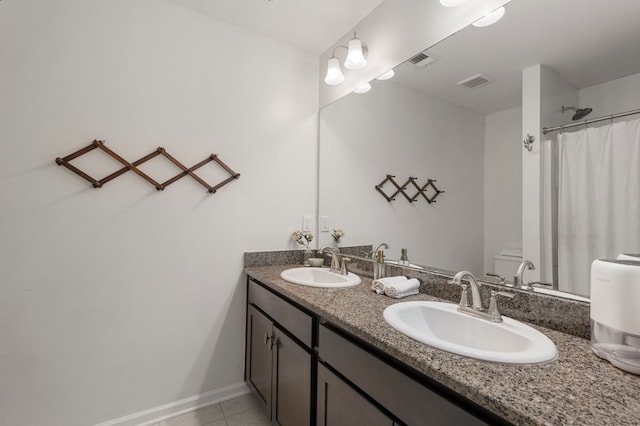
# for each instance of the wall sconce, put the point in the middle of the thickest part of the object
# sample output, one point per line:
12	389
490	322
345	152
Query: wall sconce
356	60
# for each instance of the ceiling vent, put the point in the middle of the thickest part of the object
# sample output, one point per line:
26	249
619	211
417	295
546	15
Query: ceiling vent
475	81
422	59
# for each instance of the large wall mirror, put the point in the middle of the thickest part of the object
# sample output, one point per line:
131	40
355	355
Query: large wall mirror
426	123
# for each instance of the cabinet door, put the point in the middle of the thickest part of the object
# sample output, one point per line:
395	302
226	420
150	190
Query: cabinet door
292	388
259	356
339	404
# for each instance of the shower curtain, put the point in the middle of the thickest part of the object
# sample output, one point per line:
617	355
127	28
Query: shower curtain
598	199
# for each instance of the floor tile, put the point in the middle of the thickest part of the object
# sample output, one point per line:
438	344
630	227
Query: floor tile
240	404
249	417
203	416
221	422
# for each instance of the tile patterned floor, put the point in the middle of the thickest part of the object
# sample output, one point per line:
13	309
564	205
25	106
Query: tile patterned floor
241	411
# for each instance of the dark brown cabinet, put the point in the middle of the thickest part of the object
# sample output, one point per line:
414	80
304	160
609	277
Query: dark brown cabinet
279	368
340	404
292	382
259	363
307	373
410	401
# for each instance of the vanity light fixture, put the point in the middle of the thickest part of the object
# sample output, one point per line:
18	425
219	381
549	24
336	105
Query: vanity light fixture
356	60
362	89
334	73
490	19
452	3
387	75
355	55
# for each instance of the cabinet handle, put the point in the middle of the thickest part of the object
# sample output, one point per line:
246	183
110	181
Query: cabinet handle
267	338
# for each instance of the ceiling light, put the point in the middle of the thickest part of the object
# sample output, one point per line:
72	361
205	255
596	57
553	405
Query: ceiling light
334	73
452	3
489	19
387	75
363	89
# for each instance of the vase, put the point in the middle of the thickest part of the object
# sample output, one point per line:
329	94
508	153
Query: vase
336	246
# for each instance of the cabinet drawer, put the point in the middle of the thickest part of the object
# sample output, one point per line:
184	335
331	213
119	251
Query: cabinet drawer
412	402
292	319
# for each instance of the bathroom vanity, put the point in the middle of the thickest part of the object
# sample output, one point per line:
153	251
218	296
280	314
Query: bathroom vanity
355	383
327	357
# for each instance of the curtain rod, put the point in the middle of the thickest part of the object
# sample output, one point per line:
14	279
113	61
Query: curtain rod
546	130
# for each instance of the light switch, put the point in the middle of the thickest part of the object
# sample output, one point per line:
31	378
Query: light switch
306	223
324	223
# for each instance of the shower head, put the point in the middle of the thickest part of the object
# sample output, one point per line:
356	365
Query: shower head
580	112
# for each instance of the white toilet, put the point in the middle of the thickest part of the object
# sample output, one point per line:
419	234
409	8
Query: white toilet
506	263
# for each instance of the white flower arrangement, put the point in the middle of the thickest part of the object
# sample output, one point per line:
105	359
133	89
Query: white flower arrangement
337	234
302	238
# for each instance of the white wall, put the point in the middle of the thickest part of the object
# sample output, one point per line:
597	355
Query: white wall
119	299
392	130
502	183
612	97
543	94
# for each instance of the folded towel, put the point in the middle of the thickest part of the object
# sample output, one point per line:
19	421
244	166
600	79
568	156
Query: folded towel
402	287
404	294
381	284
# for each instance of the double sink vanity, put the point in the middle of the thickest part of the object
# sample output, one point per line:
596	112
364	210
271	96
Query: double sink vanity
322	348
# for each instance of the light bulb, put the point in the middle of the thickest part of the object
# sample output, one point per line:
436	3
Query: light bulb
363	89
387	75
490	19
355	56
334	73
452	3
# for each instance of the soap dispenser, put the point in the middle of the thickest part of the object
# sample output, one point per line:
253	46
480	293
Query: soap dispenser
404	259
379	267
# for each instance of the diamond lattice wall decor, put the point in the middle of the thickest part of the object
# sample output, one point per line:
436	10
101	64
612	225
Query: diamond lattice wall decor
190	171
428	191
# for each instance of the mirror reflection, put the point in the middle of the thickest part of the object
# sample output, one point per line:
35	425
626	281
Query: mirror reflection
425	123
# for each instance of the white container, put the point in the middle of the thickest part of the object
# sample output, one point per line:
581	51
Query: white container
506	263
615	315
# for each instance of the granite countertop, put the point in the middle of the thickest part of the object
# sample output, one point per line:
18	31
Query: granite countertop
577	389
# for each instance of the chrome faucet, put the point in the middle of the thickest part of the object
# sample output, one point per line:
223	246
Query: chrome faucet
518	279
335	260
475	292
375	250
477	309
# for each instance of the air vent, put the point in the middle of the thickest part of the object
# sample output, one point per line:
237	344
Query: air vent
422	59
475	81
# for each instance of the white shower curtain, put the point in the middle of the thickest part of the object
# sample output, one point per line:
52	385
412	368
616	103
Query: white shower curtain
598	199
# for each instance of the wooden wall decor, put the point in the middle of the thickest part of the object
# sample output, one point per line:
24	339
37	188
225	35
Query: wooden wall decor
424	190
66	162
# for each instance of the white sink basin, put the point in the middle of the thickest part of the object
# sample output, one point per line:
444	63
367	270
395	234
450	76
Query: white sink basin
440	325
320	277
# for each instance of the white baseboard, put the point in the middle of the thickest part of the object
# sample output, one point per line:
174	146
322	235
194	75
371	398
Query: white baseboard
176	408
